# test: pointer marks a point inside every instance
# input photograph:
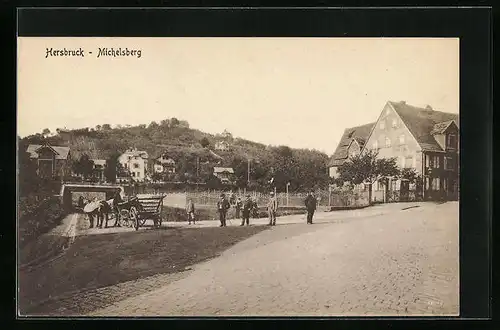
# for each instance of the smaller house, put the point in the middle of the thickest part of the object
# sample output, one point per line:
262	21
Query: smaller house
134	162
164	164
99	167
352	142
222	145
51	161
225	174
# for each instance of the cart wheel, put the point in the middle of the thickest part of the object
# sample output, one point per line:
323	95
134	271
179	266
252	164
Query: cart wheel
124	218
134	219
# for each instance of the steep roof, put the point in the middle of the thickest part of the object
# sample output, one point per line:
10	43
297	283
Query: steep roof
61	152
358	133
440	128
422	122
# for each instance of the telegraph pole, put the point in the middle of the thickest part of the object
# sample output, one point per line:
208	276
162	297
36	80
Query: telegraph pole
248	171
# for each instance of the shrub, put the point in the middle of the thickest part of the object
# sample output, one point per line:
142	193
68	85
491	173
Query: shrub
37	217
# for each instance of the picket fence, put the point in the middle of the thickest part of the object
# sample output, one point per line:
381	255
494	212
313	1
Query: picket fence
325	198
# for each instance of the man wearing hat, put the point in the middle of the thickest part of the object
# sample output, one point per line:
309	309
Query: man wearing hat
310	206
247	209
222	207
272	208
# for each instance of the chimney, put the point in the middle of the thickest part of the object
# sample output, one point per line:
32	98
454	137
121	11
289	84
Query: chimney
428	108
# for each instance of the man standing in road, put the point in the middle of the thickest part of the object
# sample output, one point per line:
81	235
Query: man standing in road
237	207
310	206
247	209
222	207
272	208
190	212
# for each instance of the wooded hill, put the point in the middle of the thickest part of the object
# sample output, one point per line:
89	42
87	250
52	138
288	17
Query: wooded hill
194	154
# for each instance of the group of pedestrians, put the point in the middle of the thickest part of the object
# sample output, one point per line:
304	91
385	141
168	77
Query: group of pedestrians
245	209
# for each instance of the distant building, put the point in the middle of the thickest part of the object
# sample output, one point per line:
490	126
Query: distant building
52	161
222	146
164	164
135	162
225	174
99	167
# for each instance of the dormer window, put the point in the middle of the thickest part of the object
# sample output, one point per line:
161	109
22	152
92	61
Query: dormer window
451	141
394	123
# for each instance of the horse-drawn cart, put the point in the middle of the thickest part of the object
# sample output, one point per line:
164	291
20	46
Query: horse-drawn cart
134	211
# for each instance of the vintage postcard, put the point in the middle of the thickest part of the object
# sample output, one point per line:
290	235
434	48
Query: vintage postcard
238	176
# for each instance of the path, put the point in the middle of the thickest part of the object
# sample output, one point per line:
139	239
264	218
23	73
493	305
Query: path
398	263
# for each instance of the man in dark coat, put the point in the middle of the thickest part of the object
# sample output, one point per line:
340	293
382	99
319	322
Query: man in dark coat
222	207
237	207
310	206
248	206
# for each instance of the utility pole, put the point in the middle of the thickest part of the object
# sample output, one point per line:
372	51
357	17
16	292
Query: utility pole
287	185
248	171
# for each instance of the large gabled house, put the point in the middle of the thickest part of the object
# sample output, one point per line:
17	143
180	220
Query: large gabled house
422	139
51	161
352	142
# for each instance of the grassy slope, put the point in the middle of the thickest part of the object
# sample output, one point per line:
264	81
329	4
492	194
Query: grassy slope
107	259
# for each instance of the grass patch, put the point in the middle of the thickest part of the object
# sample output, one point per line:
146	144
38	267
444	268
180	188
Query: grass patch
107	259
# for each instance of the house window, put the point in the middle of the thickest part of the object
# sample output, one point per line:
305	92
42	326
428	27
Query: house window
414	165
448	163
451	141
375	145
387	112
133	174
387	142
382	124
402	139
432	161
408	162
394	123
436	183
402	161
136	165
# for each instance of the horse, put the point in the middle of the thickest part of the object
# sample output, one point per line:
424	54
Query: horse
101	211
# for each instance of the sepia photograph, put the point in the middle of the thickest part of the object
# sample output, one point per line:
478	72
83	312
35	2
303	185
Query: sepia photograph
196	177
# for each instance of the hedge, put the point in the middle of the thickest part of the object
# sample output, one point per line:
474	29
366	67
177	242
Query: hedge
36	217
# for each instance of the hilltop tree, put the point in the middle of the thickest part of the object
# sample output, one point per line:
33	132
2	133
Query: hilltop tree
106	127
46	132
204	142
174	122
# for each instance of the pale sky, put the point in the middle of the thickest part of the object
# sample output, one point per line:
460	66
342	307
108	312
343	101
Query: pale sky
300	92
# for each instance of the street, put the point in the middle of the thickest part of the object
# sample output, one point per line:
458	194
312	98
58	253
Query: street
402	262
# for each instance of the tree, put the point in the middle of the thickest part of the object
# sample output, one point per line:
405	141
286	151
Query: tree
409	174
28	178
368	168
153	124
204	142
46	132
98	127
174	122
110	171
106	127
84	166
